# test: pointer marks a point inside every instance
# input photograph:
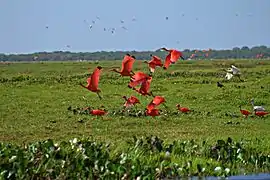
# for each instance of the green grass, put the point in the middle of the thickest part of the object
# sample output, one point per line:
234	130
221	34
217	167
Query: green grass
35	97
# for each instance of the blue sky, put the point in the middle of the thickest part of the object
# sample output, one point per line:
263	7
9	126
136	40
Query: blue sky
193	24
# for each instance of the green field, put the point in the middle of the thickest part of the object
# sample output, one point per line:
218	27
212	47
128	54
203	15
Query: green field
35	98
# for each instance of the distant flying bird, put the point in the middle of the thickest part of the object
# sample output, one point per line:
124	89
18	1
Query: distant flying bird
90	26
133	19
47	27
93	21
104	29
153	63
93	80
127	65
97	17
123	27
122	21
167	18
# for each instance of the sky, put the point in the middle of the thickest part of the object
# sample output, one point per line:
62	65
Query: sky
30	26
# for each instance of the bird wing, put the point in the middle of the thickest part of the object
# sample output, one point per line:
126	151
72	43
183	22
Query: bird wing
235	70
158	100
228	76
175	55
95	78
128	64
88	81
167	61
258	108
156	60
133	99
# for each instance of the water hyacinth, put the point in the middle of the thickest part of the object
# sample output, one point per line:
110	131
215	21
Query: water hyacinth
145	157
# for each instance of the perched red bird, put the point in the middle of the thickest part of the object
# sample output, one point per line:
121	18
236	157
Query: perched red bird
153	63
98	112
156	102
261	113
131	101
127	65
172	57
92	81
244	112
182	109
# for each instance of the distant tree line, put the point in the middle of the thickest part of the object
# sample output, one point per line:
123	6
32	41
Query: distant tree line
244	52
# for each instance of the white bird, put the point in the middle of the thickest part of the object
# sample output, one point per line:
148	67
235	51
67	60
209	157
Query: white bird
232	71
256	108
228	76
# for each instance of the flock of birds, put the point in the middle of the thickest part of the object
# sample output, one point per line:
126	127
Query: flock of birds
140	82
91	24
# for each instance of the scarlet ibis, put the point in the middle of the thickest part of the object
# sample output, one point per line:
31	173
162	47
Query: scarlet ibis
153	63
261	113
256	108
98	112
127	65
244	112
152	112
156	102
173	56
145	86
131	101
138	78
93	80
182	109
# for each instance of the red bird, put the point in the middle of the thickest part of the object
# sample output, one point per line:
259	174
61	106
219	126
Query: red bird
92	81
145	86
138	78
98	112
142	79
152	112
244	112
153	63
261	113
172	57
156	102
127	65
183	109
131	101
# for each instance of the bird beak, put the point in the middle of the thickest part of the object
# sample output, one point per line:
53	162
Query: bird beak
182	57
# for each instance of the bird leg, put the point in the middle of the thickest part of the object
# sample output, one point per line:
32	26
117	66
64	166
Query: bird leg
99	95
